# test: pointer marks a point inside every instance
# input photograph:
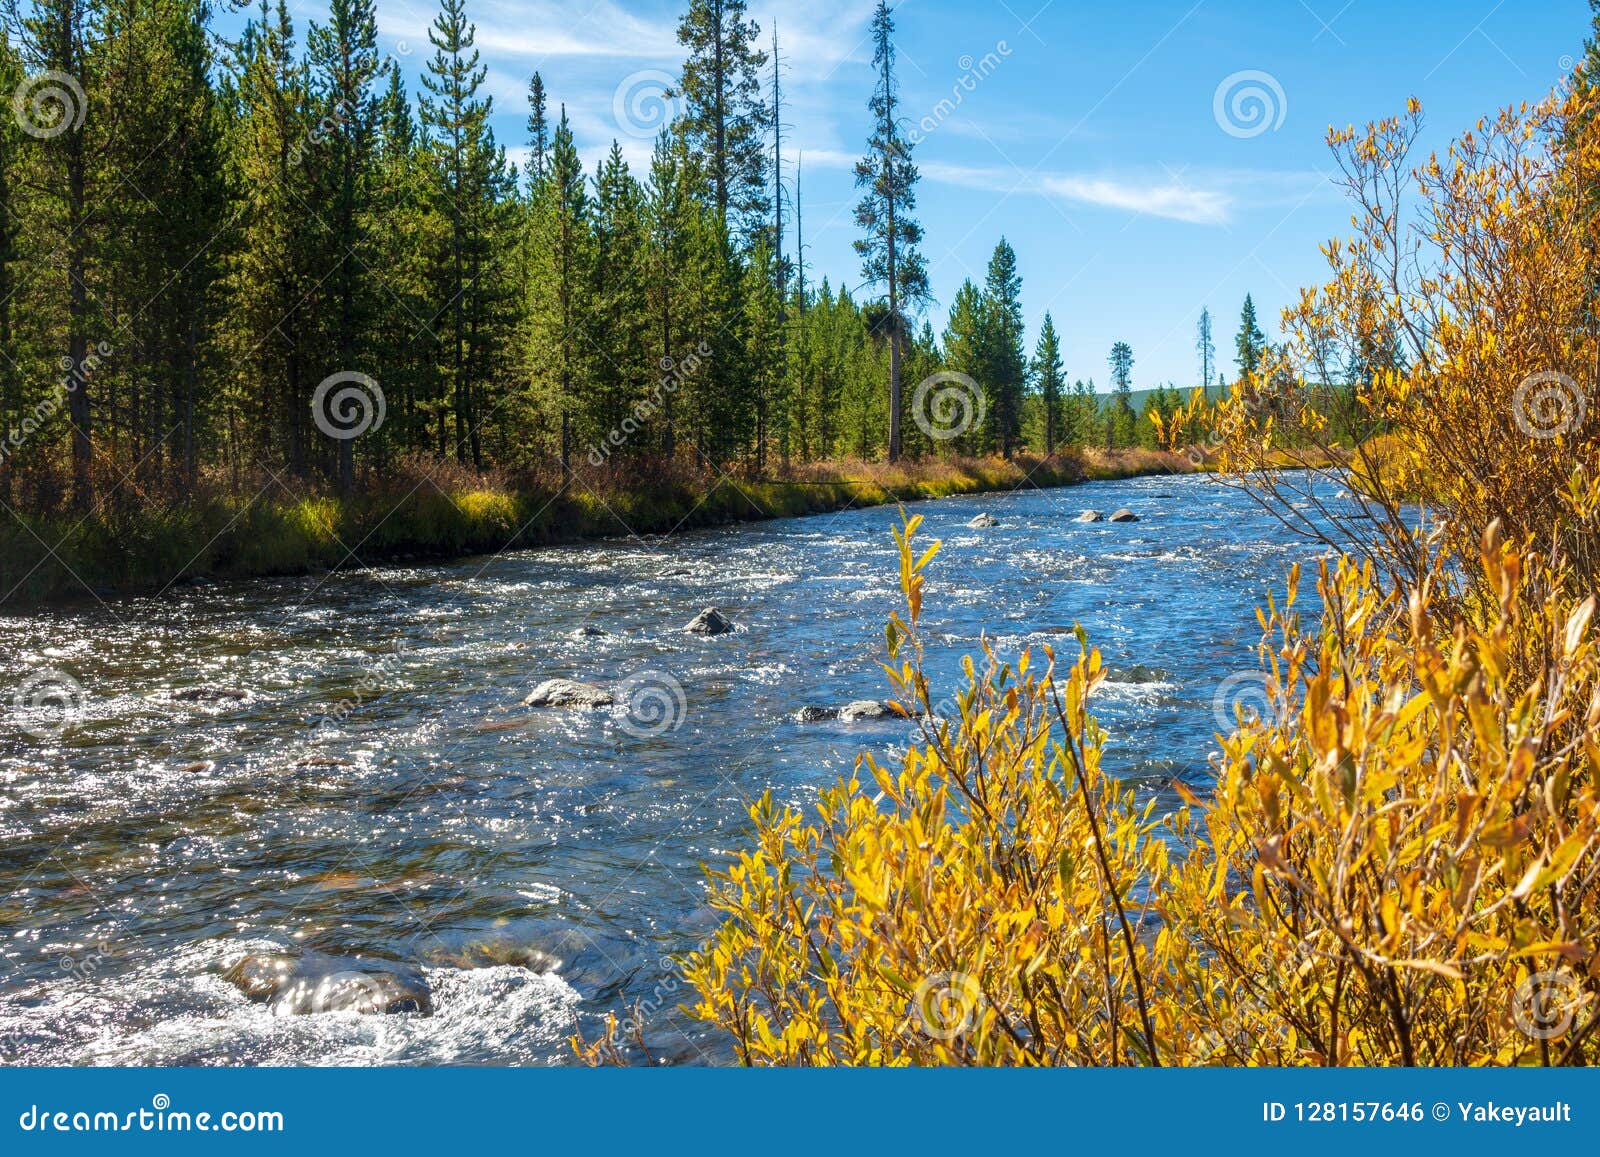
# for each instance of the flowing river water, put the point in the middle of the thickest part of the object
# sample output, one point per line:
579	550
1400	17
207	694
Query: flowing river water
356	776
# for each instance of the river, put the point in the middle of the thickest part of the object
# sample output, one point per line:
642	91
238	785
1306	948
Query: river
360	779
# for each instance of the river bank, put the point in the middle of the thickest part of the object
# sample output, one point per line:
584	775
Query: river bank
443	513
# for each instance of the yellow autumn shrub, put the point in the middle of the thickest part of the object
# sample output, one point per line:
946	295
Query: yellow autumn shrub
980	903
1446	372
1397	866
1399	861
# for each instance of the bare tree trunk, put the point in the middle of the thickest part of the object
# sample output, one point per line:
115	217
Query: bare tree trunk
79	408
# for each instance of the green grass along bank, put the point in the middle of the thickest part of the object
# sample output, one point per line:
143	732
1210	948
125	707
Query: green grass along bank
122	549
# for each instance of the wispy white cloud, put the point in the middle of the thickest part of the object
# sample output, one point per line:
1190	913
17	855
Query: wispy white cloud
1174	201
532	30
1210	198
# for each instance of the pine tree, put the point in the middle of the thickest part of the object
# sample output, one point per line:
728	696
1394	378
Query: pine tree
465	168
619	309
344	63
1004	360
538	130
1121	421
58	38
558	342
964	348
406	232
12	271
1251	343
779	265
155	258
889	250
1050	382
670	210
725	119
763	348
1206	348
277	266
1085	413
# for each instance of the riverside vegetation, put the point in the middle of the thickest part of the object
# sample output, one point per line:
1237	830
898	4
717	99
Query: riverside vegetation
426	508
326	321
1396	864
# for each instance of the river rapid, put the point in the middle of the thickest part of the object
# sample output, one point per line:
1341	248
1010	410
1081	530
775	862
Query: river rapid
339	763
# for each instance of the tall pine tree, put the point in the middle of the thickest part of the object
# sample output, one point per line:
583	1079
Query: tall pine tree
888	250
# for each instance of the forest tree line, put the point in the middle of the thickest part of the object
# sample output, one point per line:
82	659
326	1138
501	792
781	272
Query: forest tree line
221	259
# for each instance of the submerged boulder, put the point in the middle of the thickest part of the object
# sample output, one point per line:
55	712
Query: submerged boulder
1124	516
324	761
305	985
983	522
588	631
492	953
709	622
1090	516
206	693
867	710
569	693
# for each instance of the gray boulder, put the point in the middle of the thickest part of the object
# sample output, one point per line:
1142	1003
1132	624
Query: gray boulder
983	522
816	714
867	711
304	985
1090	516
709	622
1124	516
569	693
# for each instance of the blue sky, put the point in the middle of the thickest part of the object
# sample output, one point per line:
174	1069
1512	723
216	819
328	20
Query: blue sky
1092	138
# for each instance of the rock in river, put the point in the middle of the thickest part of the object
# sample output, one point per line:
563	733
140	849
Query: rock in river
816	714
983	522
209	694
868	710
492	953
568	693
1090	516
709	622
302	985
1124	516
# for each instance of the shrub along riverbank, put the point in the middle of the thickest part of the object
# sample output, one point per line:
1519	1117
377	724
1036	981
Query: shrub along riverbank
438	512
